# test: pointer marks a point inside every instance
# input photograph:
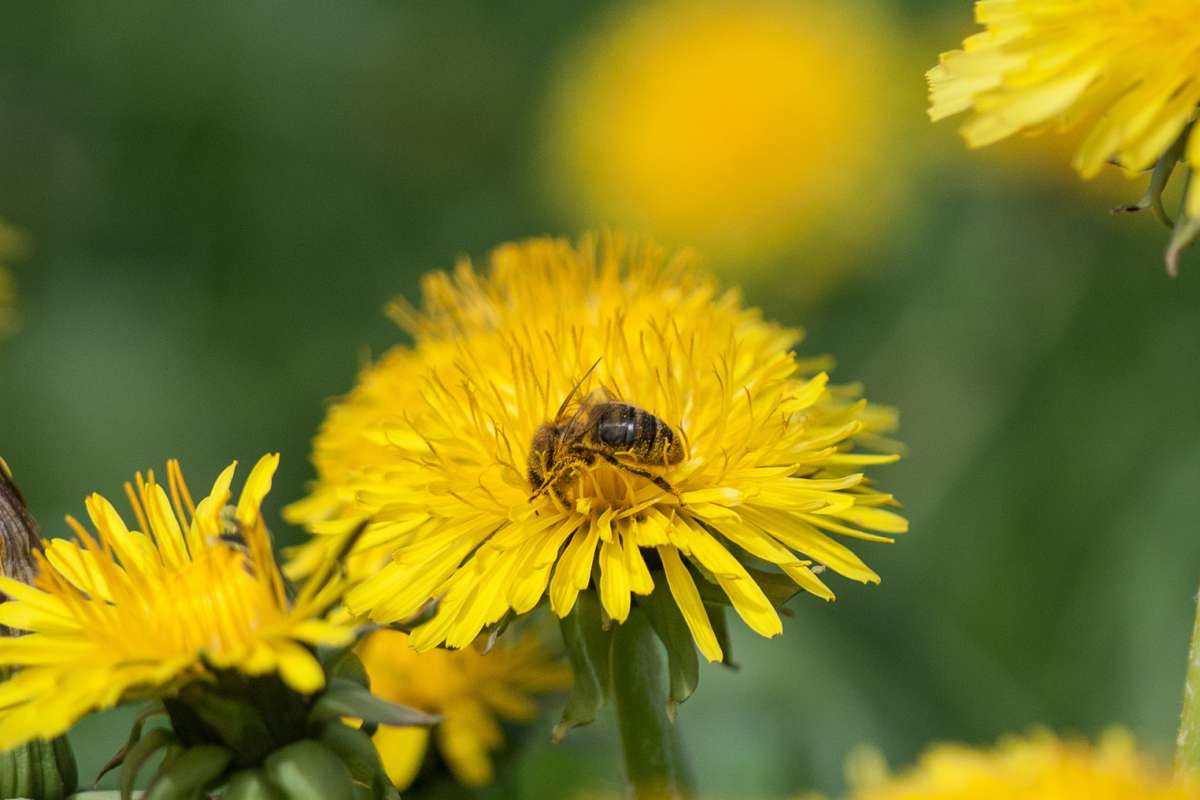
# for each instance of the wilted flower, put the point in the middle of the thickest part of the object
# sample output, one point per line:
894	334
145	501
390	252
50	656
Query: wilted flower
747	483
130	614
1035	767
1129	70
472	692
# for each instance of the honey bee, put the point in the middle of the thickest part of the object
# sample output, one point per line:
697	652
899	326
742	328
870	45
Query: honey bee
626	436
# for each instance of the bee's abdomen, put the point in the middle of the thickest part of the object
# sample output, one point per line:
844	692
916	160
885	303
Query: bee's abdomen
621	425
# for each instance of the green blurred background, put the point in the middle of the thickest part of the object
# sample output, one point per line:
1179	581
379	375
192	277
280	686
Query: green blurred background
220	198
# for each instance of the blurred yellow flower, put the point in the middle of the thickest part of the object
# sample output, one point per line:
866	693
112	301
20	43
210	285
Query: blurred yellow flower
136	614
470	691
1130	70
744	128
12	245
1035	767
765	471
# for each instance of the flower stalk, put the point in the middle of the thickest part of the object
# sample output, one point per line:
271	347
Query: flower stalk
655	765
1187	743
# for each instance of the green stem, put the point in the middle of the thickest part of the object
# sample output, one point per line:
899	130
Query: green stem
654	762
1187	744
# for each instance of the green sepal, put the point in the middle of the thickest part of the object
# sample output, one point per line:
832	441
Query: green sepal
346	665
683	663
135	733
588	644
719	620
188	774
308	769
654	762
207	715
250	784
139	754
358	753
1159	176
64	758
778	588
345	698
1187	229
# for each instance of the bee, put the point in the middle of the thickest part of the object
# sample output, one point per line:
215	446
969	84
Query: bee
601	428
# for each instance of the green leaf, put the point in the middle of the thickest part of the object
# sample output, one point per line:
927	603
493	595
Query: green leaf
346	665
308	769
588	648
139	754
358	753
250	784
683	664
345	698
207	715
654	761
717	617
189	774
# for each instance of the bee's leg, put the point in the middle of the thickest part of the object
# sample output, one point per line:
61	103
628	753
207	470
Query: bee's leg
657	480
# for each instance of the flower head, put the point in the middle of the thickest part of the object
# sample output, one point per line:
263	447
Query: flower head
741	127
471	691
736	464
1130	70
1036	767
130	614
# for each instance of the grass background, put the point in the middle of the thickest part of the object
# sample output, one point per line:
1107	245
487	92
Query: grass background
221	197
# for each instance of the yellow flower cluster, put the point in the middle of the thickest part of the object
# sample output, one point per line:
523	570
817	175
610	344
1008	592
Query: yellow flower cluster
431	451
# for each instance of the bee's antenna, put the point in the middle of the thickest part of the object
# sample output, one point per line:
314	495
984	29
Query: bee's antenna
575	389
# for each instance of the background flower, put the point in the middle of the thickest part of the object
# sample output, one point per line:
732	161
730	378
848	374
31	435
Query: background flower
1039	766
471	691
12	245
1129	70
747	129
133	614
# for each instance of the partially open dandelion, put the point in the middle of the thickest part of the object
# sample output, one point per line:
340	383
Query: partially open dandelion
125	615
741	127
1035	767
472	692
693	449
1130	70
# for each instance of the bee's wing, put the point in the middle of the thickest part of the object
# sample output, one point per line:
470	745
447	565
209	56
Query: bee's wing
594	398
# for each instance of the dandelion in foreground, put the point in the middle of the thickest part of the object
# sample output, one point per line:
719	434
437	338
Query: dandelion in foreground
1039	766
133	614
1130	71
741	127
469	690
598	418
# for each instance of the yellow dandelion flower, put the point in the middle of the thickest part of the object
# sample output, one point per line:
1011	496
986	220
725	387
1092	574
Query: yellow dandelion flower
1035	767
1130	70
741	127
132	614
742	468
470	691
